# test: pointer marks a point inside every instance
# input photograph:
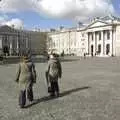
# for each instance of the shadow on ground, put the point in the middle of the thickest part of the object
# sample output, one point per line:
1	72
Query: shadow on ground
69	60
65	93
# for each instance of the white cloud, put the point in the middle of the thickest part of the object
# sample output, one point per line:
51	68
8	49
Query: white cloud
7	6
73	9
17	23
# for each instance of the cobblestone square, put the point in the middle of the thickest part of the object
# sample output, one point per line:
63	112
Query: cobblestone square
90	90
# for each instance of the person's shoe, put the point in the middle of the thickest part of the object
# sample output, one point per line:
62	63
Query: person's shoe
22	106
31	100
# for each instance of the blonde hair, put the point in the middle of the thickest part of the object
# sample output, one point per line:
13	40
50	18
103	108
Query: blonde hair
24	58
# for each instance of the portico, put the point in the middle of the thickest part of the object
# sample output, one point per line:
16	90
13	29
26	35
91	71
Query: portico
100	40
101	37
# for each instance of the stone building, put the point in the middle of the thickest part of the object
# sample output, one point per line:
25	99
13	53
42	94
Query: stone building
19	42
38	42
100	37
13	41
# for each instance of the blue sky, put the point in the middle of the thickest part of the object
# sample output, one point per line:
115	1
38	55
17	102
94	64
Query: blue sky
46	15
33	19
116	4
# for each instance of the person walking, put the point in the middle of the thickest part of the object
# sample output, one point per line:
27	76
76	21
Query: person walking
26	77
53	72
84	55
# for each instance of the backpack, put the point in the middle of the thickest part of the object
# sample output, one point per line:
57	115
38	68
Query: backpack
54	69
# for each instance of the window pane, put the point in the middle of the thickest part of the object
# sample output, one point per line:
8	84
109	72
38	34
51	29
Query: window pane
108	34
99	35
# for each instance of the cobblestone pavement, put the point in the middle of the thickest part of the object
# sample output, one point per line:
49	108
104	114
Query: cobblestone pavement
90	90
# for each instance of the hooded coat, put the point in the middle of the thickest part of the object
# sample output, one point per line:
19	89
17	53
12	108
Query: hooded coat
52	60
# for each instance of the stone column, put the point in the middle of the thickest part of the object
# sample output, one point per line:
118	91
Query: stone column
102	43
11	47
69	44
94	45
17	45
111	43
114	40
88	42
1	44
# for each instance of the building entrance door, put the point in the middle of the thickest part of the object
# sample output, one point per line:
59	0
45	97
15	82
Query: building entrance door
107	49
99	49
92	50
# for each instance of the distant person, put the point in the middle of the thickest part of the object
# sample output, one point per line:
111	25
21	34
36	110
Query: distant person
92	54
84	55
53	72
95	53
1	59
26	76
62	54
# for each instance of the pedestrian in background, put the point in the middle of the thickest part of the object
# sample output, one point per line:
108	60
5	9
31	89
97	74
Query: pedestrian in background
1	59
26	76
53	72
84	55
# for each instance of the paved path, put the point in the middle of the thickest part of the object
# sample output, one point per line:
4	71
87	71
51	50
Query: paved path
90	90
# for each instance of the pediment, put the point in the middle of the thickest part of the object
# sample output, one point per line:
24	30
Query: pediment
97	24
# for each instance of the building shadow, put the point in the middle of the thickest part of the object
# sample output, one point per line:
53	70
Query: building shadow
65	93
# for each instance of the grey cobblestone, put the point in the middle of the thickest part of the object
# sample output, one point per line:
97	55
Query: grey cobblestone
90	90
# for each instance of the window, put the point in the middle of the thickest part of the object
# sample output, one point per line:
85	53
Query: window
63	42
5	39
99	35
99	48
82	34
92	36
83	44
108	35
82	39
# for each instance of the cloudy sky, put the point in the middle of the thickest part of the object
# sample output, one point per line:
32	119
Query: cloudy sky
53	13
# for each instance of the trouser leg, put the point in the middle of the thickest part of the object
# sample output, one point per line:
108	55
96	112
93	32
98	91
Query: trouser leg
56	88
22	98
30	93
52	89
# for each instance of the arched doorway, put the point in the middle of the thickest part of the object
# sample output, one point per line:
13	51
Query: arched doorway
92	50
107	49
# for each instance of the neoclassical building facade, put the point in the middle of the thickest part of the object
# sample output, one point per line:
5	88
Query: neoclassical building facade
101	37
13	42
19	42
